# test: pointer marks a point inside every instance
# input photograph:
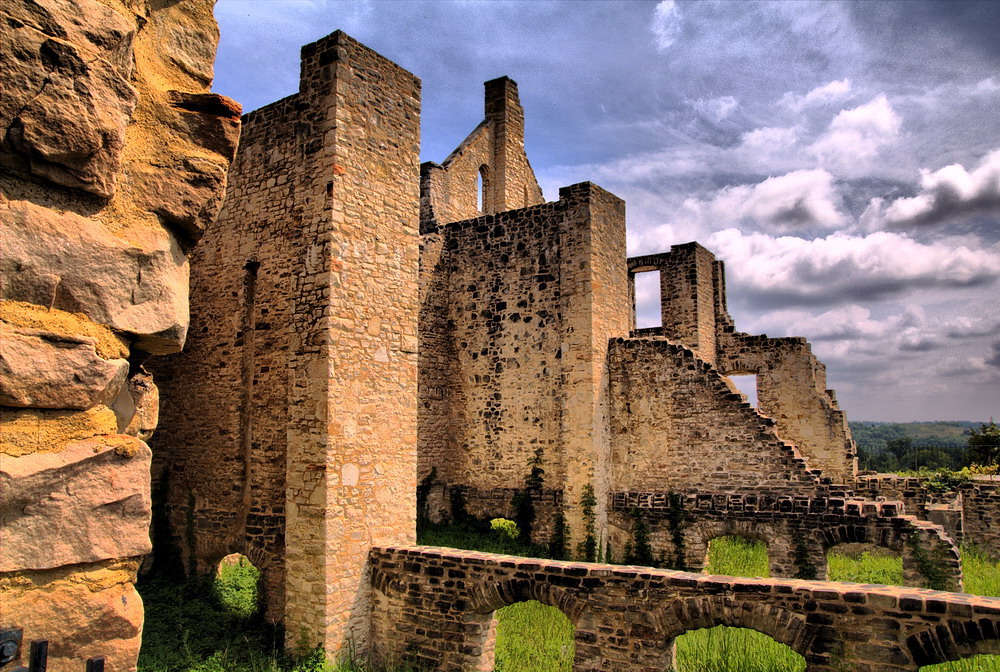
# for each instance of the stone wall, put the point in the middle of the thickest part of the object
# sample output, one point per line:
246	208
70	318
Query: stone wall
677	424
798	531
520	306
434	608
791	382
114	159
291	425
492	156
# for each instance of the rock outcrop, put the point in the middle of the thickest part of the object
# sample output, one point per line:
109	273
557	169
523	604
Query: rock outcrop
113	160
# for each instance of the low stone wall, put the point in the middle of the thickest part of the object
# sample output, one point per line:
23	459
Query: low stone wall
433	607
798	531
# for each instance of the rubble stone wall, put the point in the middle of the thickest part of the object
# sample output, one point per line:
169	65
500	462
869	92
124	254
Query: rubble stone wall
435	609
292	421
113	160
797	530
220	454
492	155
678	424
515	360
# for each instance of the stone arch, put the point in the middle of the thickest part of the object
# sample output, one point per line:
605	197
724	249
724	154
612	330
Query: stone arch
487	598
702	533
782	625
955	640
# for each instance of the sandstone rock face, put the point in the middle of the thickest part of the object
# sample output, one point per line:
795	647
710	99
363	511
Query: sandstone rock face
89	502
113	160
138	287
95	611
67	94
47	370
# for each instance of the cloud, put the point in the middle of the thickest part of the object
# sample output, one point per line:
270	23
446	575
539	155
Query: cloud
966	327
666	25
994	359
945	194
857	134
803	199
716	109
827	94
842	268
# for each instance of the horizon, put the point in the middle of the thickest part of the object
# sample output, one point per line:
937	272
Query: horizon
824	166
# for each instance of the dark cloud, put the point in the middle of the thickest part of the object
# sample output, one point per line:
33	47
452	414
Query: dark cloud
994	359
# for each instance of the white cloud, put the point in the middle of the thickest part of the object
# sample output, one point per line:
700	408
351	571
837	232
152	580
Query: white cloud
856	135
716	109
803	199
770	138
666	25
827	94
944	194
842	268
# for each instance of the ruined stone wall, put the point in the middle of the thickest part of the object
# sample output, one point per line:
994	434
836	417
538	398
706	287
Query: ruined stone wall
434	609
293	419
515	362
677	424
791	389
797	530
220	454
493	152
114	157
791	382
980	506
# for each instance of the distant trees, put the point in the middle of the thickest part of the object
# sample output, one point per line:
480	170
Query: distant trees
984	445
888	447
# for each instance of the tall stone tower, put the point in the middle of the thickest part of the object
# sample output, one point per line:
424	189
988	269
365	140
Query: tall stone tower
290	420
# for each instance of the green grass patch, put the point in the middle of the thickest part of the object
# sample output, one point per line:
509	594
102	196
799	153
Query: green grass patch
737	556
724	649
532	637
867	566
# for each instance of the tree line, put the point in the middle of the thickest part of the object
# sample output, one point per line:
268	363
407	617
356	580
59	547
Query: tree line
888	447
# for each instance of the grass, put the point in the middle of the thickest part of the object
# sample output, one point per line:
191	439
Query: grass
532	637
868	566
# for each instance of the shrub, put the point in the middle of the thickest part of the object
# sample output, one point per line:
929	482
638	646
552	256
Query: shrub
236	586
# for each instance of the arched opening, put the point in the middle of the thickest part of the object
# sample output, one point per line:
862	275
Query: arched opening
725	649
237	586
864	563
737	556
533	637
483	190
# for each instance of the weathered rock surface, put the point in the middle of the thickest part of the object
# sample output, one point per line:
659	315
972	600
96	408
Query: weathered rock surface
42	369
79	621
66	99
37	430
138	287
88	502
189	194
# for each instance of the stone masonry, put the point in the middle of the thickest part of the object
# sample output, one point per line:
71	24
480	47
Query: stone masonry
435	609
290	420
360	322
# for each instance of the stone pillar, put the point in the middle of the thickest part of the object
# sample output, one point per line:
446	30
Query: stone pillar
351	463
595	308
689	297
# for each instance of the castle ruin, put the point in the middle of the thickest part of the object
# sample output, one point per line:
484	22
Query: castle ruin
361	323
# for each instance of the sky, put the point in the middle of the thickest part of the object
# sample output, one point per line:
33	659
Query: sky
843	158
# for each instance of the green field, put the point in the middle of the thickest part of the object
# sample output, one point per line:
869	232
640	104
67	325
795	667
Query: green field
205	627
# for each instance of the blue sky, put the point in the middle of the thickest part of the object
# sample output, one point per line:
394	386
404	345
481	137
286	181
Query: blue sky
842	158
